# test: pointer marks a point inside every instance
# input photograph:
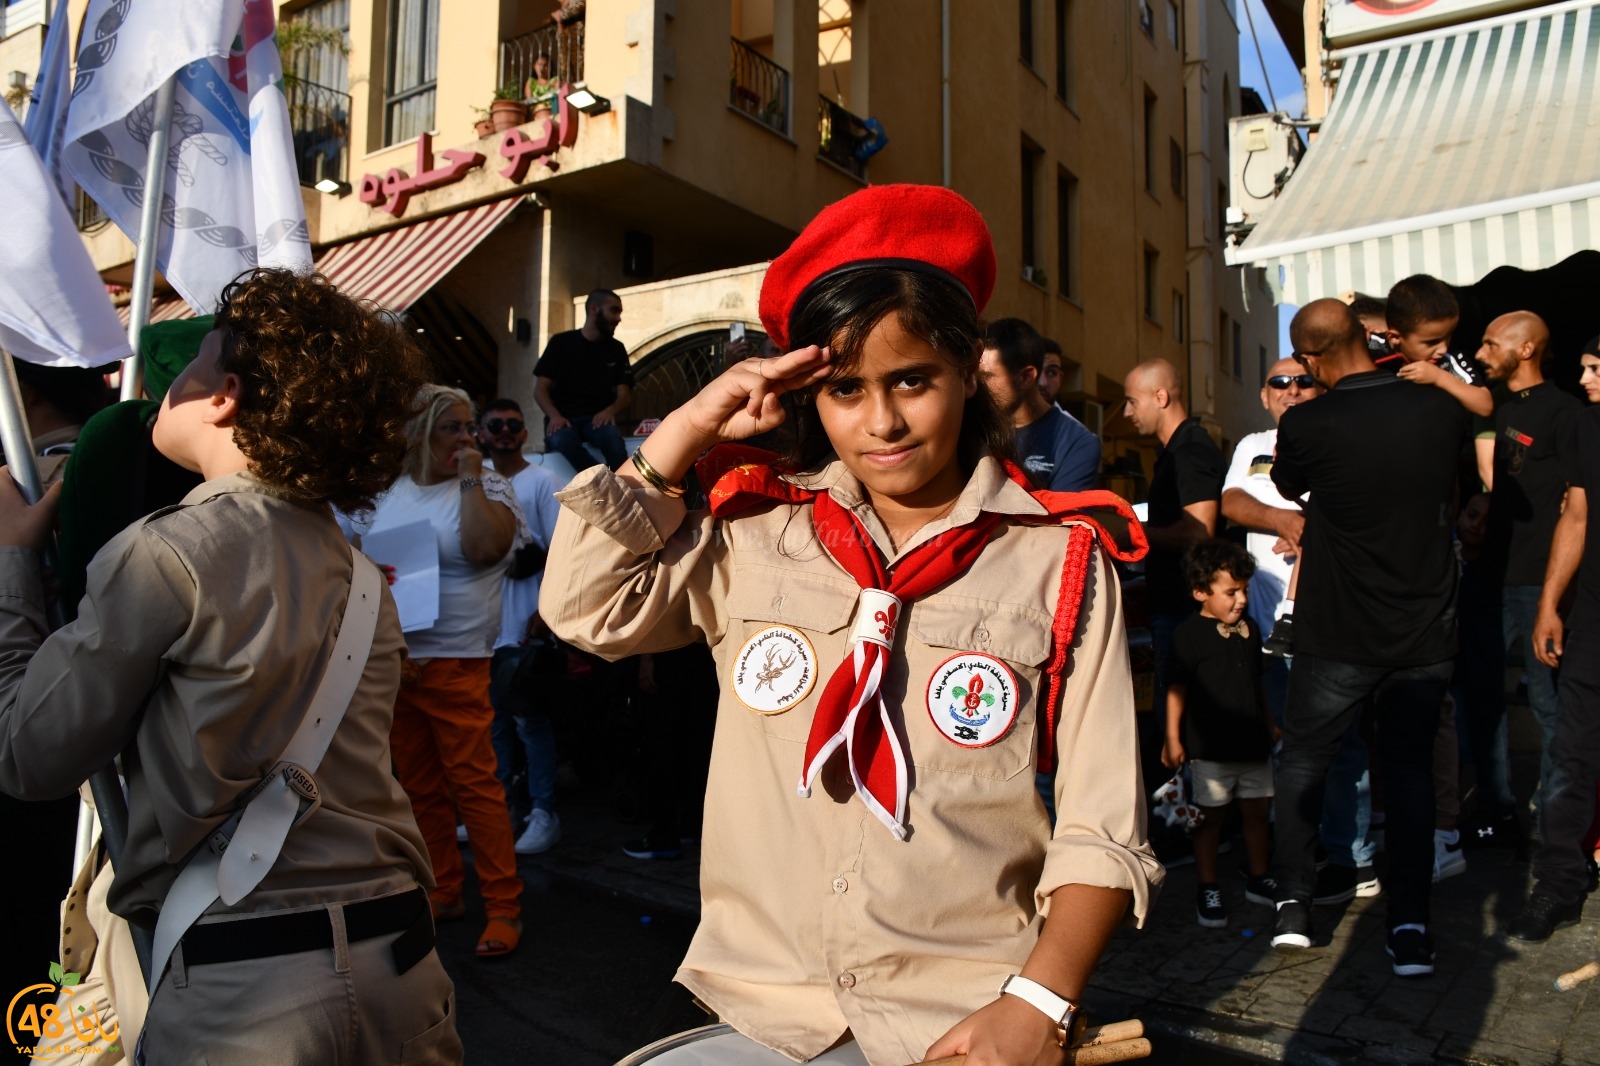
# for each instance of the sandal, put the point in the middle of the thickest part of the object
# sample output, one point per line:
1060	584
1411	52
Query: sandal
500	937
448	912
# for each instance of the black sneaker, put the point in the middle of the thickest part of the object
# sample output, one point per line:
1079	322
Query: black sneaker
1412	952
1263	890
1503	831
1208	909
1293	928
1335	884
1542	916
644	848
1281	643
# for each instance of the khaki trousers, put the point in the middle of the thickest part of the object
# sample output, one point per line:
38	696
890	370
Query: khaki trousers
340	1007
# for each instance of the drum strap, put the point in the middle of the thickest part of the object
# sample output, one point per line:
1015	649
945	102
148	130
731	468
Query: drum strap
239	854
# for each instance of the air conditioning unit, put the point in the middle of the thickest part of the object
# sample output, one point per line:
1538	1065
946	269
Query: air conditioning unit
1263	151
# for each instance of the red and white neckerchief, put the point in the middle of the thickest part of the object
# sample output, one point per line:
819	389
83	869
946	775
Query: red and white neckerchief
850	712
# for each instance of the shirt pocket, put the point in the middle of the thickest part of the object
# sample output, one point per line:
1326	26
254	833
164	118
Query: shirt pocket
816	606
1016	634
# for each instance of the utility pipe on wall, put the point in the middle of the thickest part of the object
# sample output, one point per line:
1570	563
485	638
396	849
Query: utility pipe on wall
944	87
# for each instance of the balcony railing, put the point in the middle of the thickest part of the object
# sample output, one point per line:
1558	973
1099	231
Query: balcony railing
562	50
759	87
87	212
840	137
319	118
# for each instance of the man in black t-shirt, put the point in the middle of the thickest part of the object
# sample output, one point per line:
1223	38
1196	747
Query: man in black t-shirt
1534	431
1375	610
583	381
1569	796
1184	501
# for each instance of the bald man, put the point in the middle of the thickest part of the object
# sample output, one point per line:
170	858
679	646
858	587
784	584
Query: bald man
1535	459
1374	611
1184	500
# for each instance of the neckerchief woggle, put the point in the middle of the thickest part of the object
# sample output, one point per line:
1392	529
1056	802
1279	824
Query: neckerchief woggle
851	712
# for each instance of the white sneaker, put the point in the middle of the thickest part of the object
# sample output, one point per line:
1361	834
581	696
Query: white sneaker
1448	858
544	829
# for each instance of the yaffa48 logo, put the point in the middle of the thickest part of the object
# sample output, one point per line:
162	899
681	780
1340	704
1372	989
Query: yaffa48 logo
30	1024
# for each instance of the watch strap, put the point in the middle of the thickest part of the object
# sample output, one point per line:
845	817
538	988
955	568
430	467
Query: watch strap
1057	1009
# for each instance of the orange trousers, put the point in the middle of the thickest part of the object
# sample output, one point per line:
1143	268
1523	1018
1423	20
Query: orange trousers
445	761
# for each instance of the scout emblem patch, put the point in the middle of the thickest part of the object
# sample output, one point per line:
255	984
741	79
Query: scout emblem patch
774	670
972	699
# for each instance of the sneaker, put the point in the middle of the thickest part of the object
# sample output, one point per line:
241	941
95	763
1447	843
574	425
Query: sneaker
461	834
1542	916
1448	859
644	849
1336	884
1263	890
544	829
1503	831
1411	948
1293	928
1281	643
1208	909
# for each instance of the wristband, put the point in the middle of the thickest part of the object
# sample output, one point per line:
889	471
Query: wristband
470	483
653	478
1063	1012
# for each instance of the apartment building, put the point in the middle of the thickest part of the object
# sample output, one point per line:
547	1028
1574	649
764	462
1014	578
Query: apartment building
1090	133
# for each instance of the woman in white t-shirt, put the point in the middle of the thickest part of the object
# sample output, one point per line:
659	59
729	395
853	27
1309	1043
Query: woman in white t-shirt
442	717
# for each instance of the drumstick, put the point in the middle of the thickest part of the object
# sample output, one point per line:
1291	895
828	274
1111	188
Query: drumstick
1111	1032
1088	1055
1568	981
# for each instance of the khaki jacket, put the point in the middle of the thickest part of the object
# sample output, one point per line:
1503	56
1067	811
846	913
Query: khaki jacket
814	919
203	634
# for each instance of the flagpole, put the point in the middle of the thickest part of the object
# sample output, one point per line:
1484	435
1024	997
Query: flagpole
144	262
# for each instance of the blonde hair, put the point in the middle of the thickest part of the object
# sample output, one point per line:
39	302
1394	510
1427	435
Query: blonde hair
432	401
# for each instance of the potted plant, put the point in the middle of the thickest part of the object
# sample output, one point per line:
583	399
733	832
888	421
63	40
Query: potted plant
483	126
507	109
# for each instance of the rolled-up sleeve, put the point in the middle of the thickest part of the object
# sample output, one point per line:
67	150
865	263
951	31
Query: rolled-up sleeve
616	585
1100	836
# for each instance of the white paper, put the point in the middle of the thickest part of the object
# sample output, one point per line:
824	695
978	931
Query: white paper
413	551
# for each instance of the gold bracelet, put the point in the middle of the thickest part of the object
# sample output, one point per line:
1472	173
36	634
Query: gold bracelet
653	478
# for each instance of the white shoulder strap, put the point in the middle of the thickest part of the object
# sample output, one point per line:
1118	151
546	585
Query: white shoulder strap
272	810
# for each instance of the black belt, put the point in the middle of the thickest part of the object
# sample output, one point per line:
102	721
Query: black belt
269	935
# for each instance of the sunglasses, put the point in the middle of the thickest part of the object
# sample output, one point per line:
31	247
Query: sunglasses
1283	381
504	425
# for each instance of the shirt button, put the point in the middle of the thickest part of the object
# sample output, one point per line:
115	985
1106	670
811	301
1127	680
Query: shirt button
840	885
847	980
981	634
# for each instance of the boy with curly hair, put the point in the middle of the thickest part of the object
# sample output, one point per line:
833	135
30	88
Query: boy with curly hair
1218	721
205	632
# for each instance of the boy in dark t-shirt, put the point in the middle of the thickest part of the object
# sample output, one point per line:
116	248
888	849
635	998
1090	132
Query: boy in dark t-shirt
1218	721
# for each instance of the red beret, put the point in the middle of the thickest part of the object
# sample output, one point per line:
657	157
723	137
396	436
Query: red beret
909	227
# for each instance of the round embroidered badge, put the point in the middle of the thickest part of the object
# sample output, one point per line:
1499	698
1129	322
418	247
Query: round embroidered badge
972	699
774	670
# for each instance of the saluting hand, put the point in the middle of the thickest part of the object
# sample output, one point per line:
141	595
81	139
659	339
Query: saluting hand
743	400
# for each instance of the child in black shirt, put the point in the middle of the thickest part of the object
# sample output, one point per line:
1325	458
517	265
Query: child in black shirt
1218	721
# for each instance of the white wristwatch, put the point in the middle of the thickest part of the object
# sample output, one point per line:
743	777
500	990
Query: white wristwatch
1061	1011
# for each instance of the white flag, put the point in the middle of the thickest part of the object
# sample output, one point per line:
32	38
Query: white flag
54	309
232	200
46	123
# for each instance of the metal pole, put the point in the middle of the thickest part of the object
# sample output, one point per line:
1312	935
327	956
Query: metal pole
144	262
944	89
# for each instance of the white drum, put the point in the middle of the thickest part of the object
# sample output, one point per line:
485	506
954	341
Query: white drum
720	1045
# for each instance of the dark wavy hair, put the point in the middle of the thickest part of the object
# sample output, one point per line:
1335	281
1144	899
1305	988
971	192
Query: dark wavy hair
842	311
1202	563
327	386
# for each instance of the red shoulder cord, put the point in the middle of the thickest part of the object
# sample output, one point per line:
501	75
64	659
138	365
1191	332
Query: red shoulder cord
741	477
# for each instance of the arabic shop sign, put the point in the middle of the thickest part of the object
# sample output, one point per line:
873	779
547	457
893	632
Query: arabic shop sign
393	190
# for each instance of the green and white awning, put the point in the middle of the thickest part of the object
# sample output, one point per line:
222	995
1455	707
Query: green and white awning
1449	153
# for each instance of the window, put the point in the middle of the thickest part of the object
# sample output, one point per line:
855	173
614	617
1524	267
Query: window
1025	21
1152	283
1173	33
1149	141
1177	316
1222	340
1030	211
1147	19
1264	365
1176	154
1238	351
320	33
1064	51
413	68
1067	235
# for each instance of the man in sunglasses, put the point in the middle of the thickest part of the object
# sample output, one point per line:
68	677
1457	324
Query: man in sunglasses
502	433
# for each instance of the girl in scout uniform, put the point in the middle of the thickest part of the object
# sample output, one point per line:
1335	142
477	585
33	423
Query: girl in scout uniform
904	632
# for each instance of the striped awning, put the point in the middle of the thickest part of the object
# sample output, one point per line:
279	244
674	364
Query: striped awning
394	268
167	308
1449	153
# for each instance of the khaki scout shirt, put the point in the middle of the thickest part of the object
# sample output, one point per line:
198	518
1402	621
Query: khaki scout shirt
814	919
202	636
